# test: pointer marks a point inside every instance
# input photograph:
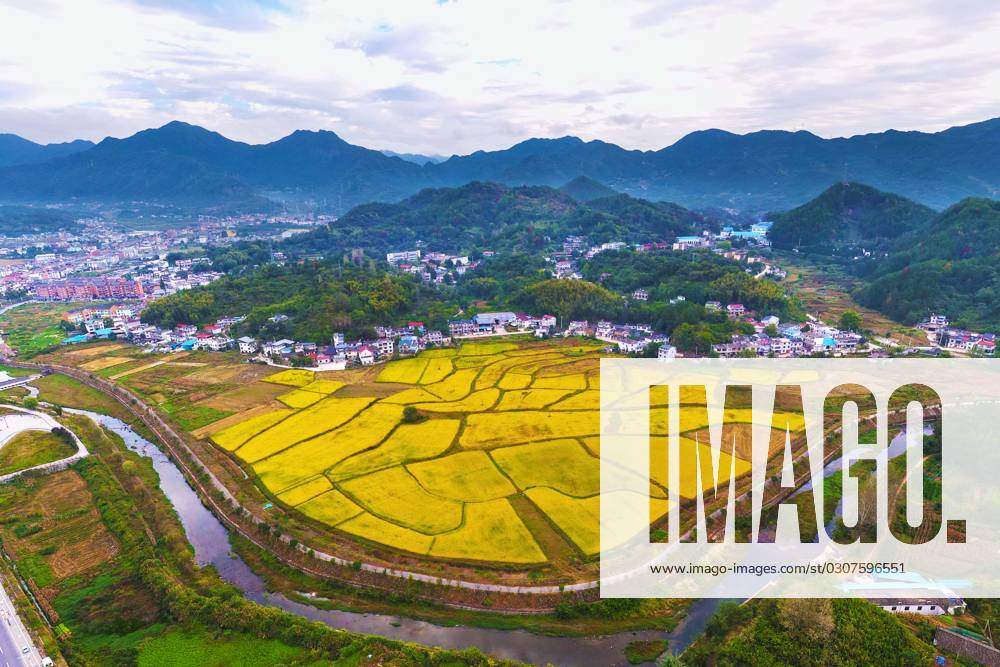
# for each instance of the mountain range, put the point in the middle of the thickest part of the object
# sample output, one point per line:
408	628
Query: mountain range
760	171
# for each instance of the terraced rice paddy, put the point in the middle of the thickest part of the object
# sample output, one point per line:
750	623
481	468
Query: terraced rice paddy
500	465
501	421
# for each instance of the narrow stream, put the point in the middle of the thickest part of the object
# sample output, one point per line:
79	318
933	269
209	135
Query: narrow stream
897	447
210	540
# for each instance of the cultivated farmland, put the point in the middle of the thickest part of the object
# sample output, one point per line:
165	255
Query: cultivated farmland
484	455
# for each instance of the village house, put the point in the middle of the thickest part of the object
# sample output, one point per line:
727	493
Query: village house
433	337
640	295
383	347
247	345
366	355
666	352
462	327
409	344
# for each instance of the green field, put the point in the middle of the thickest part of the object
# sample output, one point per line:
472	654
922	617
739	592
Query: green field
35	326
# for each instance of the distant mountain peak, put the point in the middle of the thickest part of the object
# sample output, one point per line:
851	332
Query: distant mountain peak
585	189
15	150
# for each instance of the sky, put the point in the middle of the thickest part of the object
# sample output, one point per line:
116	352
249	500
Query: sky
443	77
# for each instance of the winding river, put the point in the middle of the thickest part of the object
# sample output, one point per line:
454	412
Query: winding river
210	540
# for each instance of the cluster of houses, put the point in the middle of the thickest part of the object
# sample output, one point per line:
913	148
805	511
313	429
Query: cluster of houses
121	322
502	323
943	335
99	263
627	338
565	262
433	267
755	236
772	339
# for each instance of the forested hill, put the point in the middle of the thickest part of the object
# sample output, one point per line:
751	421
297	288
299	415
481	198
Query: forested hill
320	298
317	298
950	267
846	217
480	216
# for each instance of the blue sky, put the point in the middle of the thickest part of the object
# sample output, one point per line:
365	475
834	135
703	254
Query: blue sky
448	77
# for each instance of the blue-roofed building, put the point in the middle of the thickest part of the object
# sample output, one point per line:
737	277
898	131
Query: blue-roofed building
103	333
79	338
409	344
188	345
791	331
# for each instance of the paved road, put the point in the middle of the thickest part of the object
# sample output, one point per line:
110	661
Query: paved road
14	637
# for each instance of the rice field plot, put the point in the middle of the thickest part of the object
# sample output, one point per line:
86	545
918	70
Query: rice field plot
489	347
584	400
580	518
531	399
465	477
246	396
396	496
493	373
291	465
374	529
306	491
293	377
409	442
304	424
564	465
455	386
331	508
486	430
407	371
573	381
300	398
325	387
492	531
101	363
477	401
690	451
236	435
693	418
438	369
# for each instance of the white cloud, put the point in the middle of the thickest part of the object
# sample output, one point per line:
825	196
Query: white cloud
418	75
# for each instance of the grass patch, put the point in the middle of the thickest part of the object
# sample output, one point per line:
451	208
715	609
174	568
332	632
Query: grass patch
31	448
638	652
184	648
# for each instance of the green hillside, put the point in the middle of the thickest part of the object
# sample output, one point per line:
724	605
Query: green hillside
950	268
848	216
481	216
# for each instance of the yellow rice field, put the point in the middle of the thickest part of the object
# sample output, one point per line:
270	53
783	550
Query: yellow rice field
495	422
293	377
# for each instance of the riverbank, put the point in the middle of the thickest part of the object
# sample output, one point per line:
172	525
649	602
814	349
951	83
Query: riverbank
210	540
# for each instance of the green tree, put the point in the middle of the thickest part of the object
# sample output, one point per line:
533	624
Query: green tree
850	320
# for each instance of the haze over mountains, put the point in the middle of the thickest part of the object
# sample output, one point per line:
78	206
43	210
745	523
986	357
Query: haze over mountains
768	170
